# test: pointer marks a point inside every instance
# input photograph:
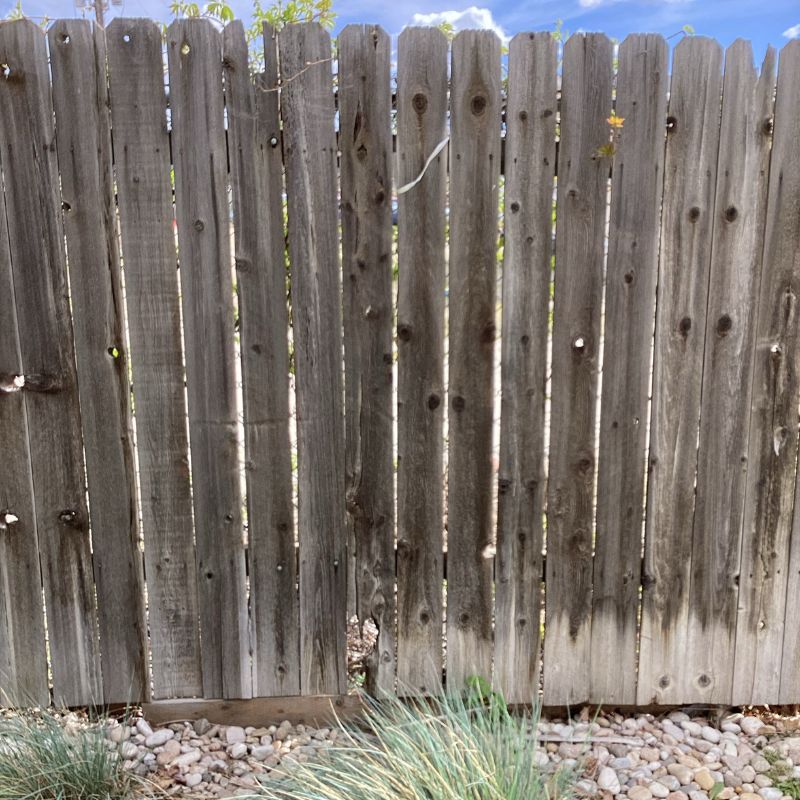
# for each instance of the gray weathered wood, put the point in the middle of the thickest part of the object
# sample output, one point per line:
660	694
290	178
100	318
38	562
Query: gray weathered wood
736	256
310	158
580	227
530	129
636	185
194	48
35	229
772	458
256	182
144	194
80	101
686	223
421	120
474	175
365	142
23	662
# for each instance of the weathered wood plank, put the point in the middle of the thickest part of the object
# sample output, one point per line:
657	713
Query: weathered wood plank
80	100
631	275
474	175
194	48
144	195
310	158
690	171
736	257
530	129
36	238
365	143
772	458
259	711
580	227
421	126
23	662
256	180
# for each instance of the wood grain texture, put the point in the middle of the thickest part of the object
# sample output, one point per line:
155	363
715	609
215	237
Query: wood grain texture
685	255
421	126
310	159
365	142
194	49
80	100
36	237
474	175
530	129
772	459
631	276
259	711
580	227
736	256
23	662
144	196
256	182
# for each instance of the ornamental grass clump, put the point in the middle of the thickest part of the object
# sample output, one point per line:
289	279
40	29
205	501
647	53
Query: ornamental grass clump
459	747
43	757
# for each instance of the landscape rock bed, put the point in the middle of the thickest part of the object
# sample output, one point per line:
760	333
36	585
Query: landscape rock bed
675	757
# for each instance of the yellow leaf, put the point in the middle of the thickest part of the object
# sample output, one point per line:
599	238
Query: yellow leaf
616	122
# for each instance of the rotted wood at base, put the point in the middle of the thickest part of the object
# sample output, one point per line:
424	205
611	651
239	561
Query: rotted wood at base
313	710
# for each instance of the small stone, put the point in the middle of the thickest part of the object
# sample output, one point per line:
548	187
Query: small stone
698	795
770	793
261	752
711	734
692	728
760	764
159	738
119	733
234	734
128	750
238	750
681	772
201	726
639	793
193	779
187	759
677	796
608	780
704	779
657	789
749	796
750	725
143	727
762	781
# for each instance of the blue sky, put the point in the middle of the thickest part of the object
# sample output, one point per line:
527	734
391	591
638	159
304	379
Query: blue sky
765	22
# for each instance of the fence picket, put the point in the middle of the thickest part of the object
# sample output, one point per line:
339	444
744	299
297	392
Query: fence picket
580	227
527	268
365	142
310	159
474	176
686	223
421	126
256	180
78	58
144	195
35	230
194	49
772	459
637	182
736	256
23	664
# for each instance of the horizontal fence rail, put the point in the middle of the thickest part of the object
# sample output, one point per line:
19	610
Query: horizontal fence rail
487	361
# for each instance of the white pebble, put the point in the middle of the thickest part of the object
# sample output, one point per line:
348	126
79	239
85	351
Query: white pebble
159	738
608	780
234	734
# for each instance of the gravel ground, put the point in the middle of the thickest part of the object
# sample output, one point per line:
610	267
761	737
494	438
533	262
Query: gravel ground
675	757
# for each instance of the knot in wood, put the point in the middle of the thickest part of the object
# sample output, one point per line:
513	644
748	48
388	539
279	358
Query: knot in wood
724	325
731	213
434	401
69	517
459	403
478	104
419	102
694	214
199	225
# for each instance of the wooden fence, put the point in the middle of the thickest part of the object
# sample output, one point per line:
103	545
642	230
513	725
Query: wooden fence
197	478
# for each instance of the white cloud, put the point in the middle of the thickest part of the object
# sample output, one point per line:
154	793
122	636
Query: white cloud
793	32
590	3
469	19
